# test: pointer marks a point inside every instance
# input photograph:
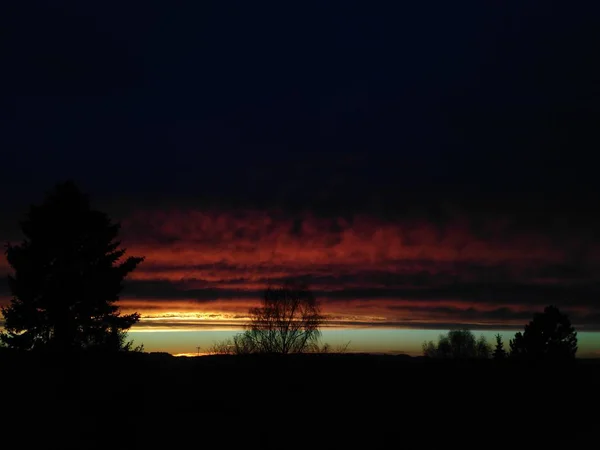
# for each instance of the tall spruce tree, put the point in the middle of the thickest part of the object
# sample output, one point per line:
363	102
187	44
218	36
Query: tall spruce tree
499	352
68	273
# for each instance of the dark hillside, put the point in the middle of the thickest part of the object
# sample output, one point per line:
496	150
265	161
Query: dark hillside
305	401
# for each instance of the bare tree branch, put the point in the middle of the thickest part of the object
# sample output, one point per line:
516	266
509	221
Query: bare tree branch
288	321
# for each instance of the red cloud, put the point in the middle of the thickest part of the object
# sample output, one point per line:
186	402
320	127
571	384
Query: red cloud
193	244
365	269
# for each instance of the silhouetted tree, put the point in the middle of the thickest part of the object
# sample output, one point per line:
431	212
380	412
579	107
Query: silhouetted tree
548	336
68	273
458	344
224	347
430	349
239	346
288	321
499	352
482	348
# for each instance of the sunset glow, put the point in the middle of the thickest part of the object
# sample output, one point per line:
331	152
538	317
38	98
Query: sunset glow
206	269
449	187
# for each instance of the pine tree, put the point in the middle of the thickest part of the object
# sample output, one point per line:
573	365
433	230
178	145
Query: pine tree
68	274
549	336
499	352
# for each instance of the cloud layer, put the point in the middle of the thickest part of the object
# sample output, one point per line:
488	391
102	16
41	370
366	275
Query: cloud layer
206	267
395	271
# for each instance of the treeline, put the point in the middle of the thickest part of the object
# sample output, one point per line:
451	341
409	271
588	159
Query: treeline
69	270
549	336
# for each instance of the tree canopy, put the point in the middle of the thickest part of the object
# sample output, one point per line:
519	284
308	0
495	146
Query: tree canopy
68	273
458	344
549	335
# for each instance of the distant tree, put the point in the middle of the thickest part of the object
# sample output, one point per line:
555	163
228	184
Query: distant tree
224	347
483	349
288	321
458	344
499	352
549	336
327	348
444	347
429	349
68	273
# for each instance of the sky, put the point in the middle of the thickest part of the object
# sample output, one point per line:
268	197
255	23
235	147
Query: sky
423	166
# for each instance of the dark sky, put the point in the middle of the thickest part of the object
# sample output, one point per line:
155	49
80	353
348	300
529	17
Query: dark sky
226	99
420	111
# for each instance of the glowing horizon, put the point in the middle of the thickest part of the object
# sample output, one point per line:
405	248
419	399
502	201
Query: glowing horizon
359	340
204	270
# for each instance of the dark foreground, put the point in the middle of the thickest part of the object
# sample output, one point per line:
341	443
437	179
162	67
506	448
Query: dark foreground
309	402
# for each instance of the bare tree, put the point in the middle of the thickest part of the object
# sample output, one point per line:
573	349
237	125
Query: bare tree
225	347
288	321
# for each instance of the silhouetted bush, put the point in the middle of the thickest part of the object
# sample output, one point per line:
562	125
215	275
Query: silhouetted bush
68	273
458	344
327	348
549	336
238	346
224	347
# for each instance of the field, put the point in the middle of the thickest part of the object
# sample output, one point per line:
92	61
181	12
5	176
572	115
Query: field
303	401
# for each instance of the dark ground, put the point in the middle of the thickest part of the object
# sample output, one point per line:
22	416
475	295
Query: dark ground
310	401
